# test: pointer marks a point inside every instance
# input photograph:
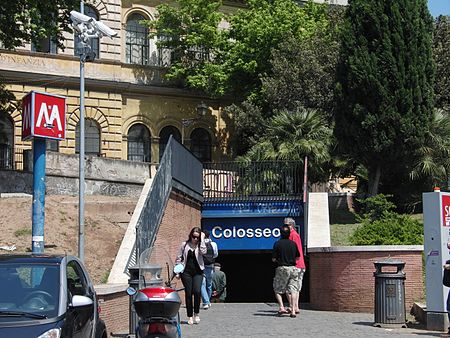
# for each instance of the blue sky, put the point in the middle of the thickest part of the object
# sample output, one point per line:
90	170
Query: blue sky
438	7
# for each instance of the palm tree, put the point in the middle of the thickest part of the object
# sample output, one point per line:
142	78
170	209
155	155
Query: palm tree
434	156
292	135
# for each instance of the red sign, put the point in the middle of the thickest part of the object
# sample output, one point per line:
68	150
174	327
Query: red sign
446	210
44	115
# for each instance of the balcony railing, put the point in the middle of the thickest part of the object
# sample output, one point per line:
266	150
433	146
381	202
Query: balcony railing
253	180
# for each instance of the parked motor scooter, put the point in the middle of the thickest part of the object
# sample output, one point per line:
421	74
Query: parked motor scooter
157	307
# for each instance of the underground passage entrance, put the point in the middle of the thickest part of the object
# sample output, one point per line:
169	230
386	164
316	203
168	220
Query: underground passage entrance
250	276
244	206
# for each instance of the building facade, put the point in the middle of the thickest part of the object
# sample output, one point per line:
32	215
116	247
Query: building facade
130	110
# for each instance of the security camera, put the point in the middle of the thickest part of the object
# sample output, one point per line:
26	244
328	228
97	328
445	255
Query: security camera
104	30
88	27
78	18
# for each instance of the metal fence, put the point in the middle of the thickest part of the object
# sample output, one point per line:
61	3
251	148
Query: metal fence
252	180
174	171
11	158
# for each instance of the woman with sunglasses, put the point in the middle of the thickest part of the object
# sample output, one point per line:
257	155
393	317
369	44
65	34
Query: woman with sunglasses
191	256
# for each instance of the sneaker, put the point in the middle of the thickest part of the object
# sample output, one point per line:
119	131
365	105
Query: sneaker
196	319
206	306
190	321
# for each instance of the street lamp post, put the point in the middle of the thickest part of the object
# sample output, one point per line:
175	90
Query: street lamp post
85	28
202	109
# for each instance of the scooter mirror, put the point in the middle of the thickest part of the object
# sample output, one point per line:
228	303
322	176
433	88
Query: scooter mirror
178	268
131	291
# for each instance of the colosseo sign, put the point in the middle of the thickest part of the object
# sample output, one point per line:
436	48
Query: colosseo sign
248	225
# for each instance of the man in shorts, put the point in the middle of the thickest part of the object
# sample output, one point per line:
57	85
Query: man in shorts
285	253
300	263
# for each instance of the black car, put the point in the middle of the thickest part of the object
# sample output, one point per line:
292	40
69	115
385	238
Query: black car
47	296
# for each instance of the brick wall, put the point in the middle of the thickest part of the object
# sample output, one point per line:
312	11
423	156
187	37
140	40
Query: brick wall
341	279
181	214
114	303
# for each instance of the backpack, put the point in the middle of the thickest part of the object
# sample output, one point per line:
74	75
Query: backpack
208	258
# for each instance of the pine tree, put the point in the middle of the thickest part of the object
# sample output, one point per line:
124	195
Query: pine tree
384	95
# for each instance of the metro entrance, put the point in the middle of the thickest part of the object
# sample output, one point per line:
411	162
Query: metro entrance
245	232
250	275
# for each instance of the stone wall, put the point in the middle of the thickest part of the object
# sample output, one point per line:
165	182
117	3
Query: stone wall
341	278
103	176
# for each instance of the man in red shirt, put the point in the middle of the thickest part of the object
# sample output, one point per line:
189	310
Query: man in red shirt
299	264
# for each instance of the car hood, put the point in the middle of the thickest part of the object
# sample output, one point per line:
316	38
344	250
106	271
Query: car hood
28	328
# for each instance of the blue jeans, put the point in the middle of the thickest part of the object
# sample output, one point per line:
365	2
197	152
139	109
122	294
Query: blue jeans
207	284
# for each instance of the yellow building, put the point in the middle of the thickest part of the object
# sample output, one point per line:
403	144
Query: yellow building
130	111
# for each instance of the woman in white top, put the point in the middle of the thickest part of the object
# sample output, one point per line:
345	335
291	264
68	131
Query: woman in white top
191	256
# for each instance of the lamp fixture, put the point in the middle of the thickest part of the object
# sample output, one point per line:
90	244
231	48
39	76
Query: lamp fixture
202	109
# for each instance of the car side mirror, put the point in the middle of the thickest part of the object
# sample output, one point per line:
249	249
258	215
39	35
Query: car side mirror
78	301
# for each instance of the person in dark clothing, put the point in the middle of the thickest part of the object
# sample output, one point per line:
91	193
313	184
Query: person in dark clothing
191	256
285	254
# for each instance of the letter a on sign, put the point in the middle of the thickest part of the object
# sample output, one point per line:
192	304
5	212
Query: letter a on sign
44	115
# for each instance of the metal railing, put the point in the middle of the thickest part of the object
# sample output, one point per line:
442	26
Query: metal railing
11	158
252	180
178	169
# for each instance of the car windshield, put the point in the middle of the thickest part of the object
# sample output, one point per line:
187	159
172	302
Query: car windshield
28	291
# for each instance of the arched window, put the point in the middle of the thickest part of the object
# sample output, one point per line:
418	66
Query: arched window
139	143
6	142
93	42
201	144
137	41
91	138
164	138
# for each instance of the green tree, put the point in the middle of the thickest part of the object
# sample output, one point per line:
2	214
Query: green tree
441	53
237	55
303	72
300	73
292	135
385	84
433	160
24	20
190	31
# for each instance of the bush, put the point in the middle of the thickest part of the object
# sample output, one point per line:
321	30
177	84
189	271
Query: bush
380	225
374	207
390	229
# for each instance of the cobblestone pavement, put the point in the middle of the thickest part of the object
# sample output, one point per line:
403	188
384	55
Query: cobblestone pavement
261	320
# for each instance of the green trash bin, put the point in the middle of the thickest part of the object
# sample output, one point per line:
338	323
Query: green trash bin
390	308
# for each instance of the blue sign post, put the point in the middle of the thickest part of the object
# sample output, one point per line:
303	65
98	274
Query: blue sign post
38	213
43	116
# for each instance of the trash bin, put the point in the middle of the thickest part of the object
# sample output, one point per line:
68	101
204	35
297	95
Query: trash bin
390	294
134	283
